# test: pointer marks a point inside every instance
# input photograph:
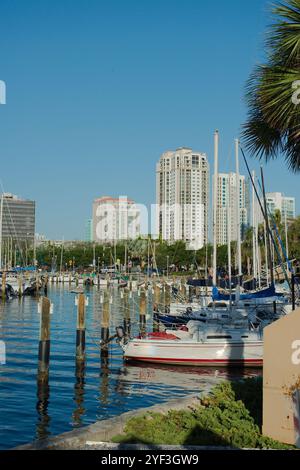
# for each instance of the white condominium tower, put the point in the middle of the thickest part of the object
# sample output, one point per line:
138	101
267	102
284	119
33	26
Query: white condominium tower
182	194
115	219
278	202
227	206
286	205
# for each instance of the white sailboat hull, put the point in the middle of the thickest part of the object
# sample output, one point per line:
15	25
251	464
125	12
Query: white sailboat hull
192	353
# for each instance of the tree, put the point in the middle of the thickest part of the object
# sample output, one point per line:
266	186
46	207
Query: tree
273	124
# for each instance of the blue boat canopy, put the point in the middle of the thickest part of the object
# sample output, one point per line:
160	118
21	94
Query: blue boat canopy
264	293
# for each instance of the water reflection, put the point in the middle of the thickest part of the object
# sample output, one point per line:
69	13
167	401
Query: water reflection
79	410
104	375
189	378
43	422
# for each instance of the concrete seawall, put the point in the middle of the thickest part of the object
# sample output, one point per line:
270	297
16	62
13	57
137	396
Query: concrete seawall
103	431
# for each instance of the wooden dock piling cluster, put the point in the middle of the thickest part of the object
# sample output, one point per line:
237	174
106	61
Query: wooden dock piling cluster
155	295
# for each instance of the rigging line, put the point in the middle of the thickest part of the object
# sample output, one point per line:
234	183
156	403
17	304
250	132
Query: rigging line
280	242
260	204
291	269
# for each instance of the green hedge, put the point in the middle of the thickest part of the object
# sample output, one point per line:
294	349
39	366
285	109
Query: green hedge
229	416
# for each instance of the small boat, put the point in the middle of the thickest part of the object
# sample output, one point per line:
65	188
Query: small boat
198	346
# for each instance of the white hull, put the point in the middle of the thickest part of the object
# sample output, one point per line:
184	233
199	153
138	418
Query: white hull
192	353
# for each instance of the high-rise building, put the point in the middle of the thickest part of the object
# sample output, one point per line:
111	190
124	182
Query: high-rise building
17	219
182	197
115	219
89	230
286	205
227	207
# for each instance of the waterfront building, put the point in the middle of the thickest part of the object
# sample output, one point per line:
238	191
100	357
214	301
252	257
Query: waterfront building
17	219
182	197
226	207
286	205
115	219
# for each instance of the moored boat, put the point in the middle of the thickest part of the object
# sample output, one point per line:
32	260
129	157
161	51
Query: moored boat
198	346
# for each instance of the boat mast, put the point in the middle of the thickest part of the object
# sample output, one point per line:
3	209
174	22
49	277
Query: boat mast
238	212
1	228
229	245
61	255
267	227
286	237
258	254
94	257
266	252
125	257
215	202
254	231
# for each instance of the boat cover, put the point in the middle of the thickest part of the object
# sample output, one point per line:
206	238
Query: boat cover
261	294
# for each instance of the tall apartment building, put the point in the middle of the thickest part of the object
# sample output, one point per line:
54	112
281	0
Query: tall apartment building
286	205
17	219
226	206
115	219
182	197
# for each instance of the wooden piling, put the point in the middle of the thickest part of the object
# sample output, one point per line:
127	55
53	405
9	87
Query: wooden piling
44	342
105	323
20	290
80	330
36	285
167	295
3	286
293	293
183	288
46	280
143	309
126	307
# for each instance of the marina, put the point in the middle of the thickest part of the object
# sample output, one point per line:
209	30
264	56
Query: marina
149	228
106	387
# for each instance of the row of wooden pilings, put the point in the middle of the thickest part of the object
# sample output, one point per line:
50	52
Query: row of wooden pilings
105	300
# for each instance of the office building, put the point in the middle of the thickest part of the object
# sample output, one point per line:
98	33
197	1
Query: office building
17	219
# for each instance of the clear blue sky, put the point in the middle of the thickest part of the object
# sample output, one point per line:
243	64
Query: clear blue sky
97	90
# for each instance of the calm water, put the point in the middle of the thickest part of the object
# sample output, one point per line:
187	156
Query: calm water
102	389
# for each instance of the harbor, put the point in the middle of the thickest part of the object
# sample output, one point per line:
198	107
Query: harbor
149	229
103	388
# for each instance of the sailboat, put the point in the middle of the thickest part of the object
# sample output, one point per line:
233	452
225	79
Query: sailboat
198	346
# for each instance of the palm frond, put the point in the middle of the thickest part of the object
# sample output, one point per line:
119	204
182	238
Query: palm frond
273	123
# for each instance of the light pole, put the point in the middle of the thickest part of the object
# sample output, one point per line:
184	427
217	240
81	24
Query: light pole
168	267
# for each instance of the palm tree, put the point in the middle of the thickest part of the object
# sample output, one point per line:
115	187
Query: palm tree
273	123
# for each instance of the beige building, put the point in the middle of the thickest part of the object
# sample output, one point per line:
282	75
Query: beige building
182	197
226	206
115	219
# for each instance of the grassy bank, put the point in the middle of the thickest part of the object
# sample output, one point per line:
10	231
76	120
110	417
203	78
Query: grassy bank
231	415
